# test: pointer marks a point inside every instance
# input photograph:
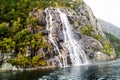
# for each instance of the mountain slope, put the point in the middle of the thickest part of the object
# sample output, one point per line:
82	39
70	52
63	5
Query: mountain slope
115	42
110	28
51	33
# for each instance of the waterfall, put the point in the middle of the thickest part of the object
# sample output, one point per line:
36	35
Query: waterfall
76	54
50	36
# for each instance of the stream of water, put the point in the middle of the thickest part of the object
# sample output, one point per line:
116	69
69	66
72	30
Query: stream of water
75	54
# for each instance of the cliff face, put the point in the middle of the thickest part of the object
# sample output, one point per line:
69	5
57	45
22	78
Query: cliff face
113	33
72	37
85	30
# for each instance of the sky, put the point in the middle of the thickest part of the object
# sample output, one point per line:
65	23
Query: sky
108	10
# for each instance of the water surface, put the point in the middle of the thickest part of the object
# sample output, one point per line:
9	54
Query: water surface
99	71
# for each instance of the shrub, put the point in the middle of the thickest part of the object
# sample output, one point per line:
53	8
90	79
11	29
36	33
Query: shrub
12	61
106	48
98	37
42	62
106	45
86	30
115	42
24	61
35	60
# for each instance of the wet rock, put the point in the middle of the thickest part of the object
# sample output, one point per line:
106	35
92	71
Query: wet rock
91	55
77	36
60	36
69	60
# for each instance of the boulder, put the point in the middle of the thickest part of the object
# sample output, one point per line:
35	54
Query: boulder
8	67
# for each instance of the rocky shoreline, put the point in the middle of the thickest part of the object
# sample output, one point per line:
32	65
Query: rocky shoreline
14	69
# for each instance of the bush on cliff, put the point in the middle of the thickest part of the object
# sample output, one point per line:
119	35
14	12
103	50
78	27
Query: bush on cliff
23	61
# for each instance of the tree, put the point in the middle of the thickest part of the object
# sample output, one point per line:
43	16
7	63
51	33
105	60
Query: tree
4	30
7	45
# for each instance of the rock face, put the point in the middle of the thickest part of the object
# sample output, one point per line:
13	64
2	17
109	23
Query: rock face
74	36
91	45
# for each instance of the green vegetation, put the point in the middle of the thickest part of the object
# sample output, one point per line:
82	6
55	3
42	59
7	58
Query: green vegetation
25	61
115	42
98	37
106	48
106	45
20	29
86	30
18	26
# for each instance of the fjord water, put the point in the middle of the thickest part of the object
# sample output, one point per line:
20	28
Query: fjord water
98	71
75	54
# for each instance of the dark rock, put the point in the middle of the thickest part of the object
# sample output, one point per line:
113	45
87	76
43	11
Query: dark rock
45	49
59	45
60	36
42	22
47	55
69	60
1	61
91	55
45	32
44	14
77	36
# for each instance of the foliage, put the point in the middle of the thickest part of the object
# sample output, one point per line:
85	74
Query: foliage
18	24
115	42
25	61
4	30
35	60
98	37
12	61
86	30
19	28
20	60
106	45
7	45
106	48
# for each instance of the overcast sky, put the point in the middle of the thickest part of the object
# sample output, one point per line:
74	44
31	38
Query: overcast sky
108	10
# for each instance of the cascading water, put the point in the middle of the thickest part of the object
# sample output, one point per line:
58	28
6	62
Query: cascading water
50	36
76	53
72	44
